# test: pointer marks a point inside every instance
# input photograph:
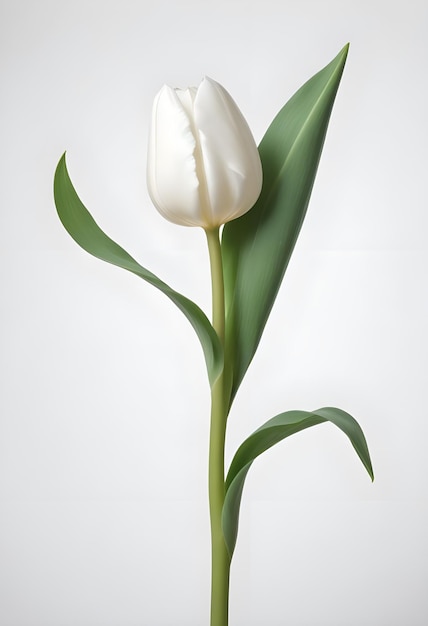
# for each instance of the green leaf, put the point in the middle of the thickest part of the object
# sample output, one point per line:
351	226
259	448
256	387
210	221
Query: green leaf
257	246
265	437
82	227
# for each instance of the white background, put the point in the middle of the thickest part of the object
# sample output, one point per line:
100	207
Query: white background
104	399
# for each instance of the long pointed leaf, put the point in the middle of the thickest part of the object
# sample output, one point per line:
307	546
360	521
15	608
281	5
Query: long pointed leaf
84	230
257	247
269	434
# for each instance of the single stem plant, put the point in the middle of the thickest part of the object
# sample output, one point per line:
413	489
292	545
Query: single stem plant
204	169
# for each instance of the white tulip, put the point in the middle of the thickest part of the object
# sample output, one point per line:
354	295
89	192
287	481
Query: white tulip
203	164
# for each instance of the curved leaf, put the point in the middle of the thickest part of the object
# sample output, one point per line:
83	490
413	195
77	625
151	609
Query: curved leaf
265	437
257	246
84	230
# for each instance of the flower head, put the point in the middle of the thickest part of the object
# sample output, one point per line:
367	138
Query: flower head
203	167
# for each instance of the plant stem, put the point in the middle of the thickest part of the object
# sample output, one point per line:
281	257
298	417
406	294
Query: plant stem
220	560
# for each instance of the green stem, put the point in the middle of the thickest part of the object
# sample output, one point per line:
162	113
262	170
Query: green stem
220	560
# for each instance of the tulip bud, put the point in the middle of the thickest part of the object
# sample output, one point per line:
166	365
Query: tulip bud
203	167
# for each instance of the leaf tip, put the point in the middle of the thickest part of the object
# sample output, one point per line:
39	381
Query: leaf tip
369	468
62	158
61	165
343	54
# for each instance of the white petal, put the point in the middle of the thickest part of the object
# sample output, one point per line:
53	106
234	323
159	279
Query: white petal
187	97
231	160
171	172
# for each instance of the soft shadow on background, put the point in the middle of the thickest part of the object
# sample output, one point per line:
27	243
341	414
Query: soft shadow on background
104	400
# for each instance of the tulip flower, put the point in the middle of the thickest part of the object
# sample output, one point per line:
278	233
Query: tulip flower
204	170
203	164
